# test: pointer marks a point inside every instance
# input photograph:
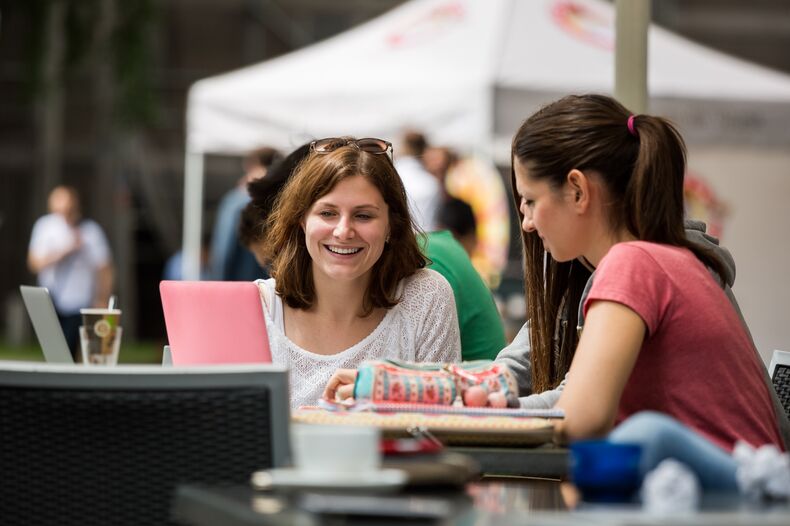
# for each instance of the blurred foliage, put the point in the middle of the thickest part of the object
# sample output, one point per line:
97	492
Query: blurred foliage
127	46
132	352
81	17
37	11
132	58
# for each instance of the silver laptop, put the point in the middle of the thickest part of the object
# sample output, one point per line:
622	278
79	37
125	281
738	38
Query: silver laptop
45	322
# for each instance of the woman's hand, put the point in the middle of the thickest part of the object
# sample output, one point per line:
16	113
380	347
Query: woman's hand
341	385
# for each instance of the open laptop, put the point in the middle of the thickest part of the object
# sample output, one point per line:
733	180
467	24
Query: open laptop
46	325
214	322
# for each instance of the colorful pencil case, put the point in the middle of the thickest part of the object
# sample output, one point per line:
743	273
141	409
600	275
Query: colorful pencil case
395	381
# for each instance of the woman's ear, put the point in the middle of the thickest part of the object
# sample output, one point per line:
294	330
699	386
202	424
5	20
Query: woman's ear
579	186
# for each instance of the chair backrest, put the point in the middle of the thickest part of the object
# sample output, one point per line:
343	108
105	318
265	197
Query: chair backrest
110	445
779	371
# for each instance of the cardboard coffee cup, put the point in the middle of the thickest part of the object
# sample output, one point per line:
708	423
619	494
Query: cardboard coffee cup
100	335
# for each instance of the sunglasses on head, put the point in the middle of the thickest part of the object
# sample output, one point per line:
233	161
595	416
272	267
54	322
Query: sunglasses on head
369	144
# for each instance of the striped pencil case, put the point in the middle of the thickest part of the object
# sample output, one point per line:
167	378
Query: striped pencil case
381	381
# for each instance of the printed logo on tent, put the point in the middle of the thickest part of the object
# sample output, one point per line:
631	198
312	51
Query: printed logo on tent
703	204
428	25
591	26
477	181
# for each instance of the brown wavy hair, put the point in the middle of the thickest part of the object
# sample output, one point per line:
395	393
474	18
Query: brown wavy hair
314	177
643	173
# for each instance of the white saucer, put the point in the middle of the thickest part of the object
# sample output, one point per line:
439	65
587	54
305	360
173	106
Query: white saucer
293	479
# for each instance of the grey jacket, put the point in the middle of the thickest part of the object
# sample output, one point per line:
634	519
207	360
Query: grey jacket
516	355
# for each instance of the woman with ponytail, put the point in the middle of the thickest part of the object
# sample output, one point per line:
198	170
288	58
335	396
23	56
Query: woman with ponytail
663	351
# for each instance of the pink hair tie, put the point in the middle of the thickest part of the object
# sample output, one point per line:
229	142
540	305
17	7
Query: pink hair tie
631	129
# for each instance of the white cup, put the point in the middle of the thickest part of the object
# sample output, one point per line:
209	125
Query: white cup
328	449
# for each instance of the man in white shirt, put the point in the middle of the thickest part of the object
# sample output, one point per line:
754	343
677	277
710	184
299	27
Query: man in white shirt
72	259
422	189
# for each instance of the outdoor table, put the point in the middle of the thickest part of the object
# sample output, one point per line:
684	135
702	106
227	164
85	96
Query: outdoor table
547	461
502	446
484	503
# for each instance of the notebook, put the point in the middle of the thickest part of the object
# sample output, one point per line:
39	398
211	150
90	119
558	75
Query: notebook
45	324
214	322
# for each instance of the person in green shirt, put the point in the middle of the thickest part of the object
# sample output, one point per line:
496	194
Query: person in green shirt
482	332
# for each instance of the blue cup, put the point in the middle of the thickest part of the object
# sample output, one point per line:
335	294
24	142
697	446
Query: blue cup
604	471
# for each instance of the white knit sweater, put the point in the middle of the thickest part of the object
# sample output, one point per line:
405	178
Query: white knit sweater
422	327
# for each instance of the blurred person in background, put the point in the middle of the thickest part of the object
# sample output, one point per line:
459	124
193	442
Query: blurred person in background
458	217
71	257
230	261
263	193
423	189
174	266
438	160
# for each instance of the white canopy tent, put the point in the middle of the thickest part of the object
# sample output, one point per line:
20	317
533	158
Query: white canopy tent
467	73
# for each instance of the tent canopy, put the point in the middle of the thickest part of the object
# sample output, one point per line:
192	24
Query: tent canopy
467	72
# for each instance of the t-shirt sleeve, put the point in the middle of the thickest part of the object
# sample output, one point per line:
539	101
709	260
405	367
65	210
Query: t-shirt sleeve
96	244
37	239
629	275
438	338
50	236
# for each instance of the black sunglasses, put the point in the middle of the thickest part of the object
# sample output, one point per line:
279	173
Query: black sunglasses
369	144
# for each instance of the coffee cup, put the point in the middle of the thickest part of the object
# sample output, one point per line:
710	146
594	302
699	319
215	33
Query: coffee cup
100	336
331	449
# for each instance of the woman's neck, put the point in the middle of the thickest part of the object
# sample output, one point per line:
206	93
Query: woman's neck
603	242
334	323
339	301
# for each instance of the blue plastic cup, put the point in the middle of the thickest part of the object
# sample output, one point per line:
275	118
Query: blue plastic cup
604	471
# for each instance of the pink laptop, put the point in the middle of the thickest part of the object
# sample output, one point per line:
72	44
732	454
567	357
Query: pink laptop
214	322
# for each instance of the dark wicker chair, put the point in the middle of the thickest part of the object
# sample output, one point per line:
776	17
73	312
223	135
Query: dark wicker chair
88	446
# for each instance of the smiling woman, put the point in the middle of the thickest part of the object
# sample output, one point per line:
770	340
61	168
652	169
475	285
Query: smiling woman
349	282
346	230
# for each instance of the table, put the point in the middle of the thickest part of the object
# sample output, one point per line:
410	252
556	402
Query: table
547	461
500	445
481	504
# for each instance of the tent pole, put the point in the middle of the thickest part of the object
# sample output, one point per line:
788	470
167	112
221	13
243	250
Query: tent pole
630	71
193	211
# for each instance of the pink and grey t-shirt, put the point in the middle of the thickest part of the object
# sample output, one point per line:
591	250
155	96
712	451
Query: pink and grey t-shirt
697	362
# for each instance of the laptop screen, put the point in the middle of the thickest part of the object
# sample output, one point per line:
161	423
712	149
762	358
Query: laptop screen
214	322
46	325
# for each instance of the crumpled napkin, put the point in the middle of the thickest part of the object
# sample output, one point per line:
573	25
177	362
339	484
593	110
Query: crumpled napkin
670	488
763	472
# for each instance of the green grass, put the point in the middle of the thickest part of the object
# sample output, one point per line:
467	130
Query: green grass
132	352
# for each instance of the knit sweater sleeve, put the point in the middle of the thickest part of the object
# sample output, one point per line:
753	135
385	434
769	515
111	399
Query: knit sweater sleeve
434	318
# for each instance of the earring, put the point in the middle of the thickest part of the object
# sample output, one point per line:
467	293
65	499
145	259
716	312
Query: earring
387	239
